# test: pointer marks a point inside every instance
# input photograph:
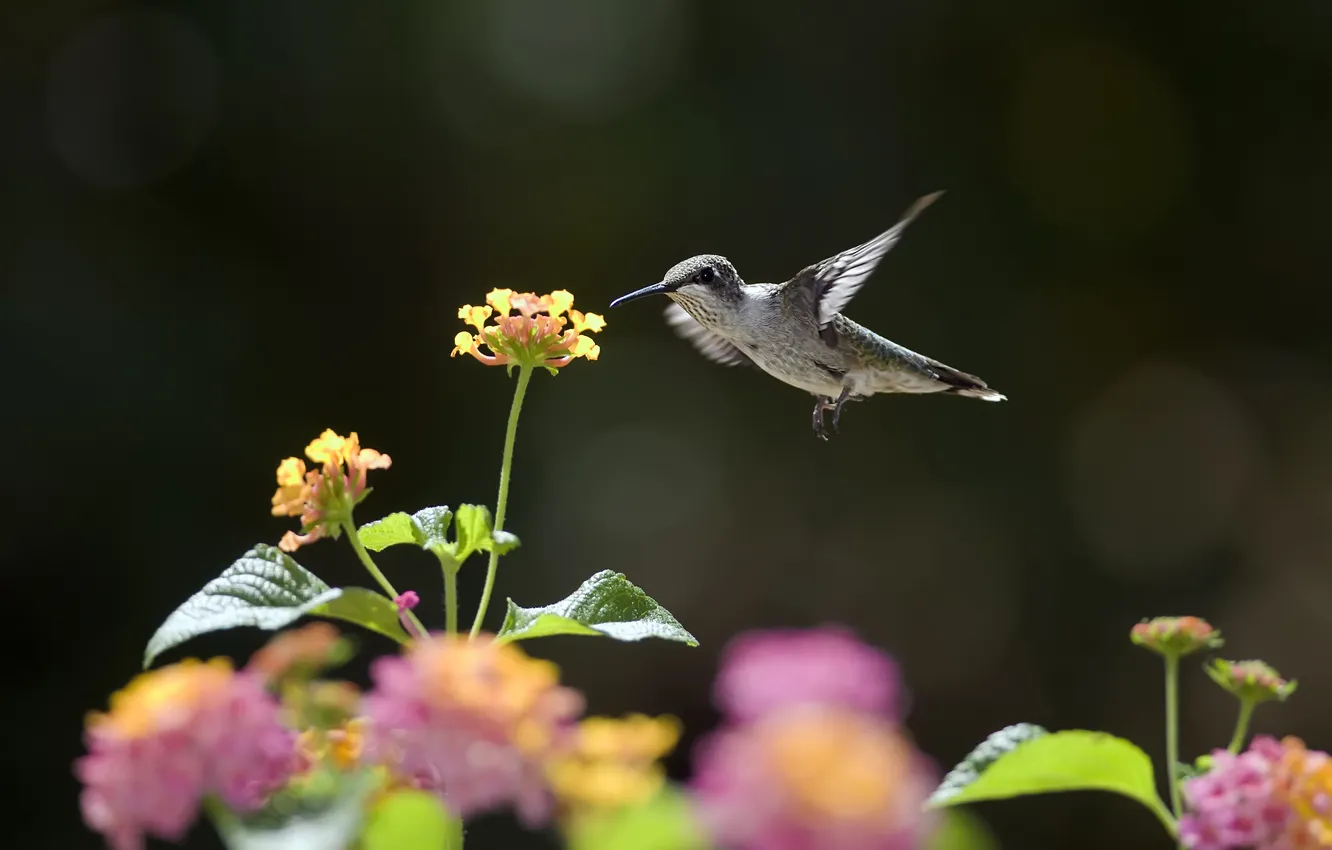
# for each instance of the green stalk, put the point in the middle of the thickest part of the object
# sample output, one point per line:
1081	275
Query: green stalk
1242	724
1172	729
350	530
502	500
1159	809
450	599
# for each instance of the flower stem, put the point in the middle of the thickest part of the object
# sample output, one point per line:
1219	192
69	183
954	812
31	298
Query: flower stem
1163	814
1172	729
1242	724
502	500
451	599
350	530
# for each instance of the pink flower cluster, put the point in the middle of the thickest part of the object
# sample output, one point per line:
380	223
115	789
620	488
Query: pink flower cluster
1276	795
174	736
476	721
1234	804
812	753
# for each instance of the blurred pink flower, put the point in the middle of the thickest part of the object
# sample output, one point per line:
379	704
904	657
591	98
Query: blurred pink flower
813	756
765	670
1235	803
813	777
174	736
474	720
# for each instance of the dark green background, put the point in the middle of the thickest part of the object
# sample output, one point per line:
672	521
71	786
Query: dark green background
227	226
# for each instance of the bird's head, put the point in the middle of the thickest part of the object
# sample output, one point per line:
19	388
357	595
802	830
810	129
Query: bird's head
704	283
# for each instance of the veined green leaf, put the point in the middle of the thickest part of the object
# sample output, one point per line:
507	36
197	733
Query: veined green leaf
606	604
266	589
471	528
1030	762
392	530
431	527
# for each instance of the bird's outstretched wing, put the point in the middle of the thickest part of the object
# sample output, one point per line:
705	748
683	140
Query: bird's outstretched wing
827	286
709	344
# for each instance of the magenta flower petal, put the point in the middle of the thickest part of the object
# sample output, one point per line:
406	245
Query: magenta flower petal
174	736
1236	803
812	777
765	670
474	721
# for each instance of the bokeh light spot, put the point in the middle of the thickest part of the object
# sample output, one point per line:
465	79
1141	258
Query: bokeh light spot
1157	467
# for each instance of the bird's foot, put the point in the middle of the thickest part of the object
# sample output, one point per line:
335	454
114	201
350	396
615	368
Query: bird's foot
837	406
821	403
825	403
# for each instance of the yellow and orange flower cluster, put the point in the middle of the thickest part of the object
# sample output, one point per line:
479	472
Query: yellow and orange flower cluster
1304	782
323	497
614	763
529	330
341	747
160	700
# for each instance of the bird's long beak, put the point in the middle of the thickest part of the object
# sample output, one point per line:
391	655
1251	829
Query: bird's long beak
655	289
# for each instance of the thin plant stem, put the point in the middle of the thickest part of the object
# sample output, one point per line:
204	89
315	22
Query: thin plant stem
1172	730
502	500
350	530
1242	724
451	599
1163	814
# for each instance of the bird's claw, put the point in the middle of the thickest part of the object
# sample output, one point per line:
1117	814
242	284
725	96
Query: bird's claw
820	430
825	403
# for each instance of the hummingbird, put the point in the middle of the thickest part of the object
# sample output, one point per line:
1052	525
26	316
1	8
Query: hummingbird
795	331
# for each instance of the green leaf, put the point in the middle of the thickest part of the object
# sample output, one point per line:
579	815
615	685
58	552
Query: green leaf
266	589
365	608
606	604
329	820
666	822
961	830
412	820
985	754
1074	760
472	526
503	542
392	530
431	526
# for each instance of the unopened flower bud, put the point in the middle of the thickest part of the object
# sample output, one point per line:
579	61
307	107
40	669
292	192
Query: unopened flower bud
1175	637
1251	681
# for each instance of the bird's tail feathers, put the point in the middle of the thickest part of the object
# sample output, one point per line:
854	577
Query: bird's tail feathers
982	393
968	386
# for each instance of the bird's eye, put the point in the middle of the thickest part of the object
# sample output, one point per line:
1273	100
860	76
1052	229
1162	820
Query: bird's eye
705	275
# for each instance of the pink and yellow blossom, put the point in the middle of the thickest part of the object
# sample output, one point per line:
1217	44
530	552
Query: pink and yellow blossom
173	736
475	721
812	755
528	329
323	497
812	777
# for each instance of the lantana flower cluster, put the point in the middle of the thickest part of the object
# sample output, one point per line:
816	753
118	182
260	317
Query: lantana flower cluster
323	497
812	753
173	737
1276	795
475	721
528	329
